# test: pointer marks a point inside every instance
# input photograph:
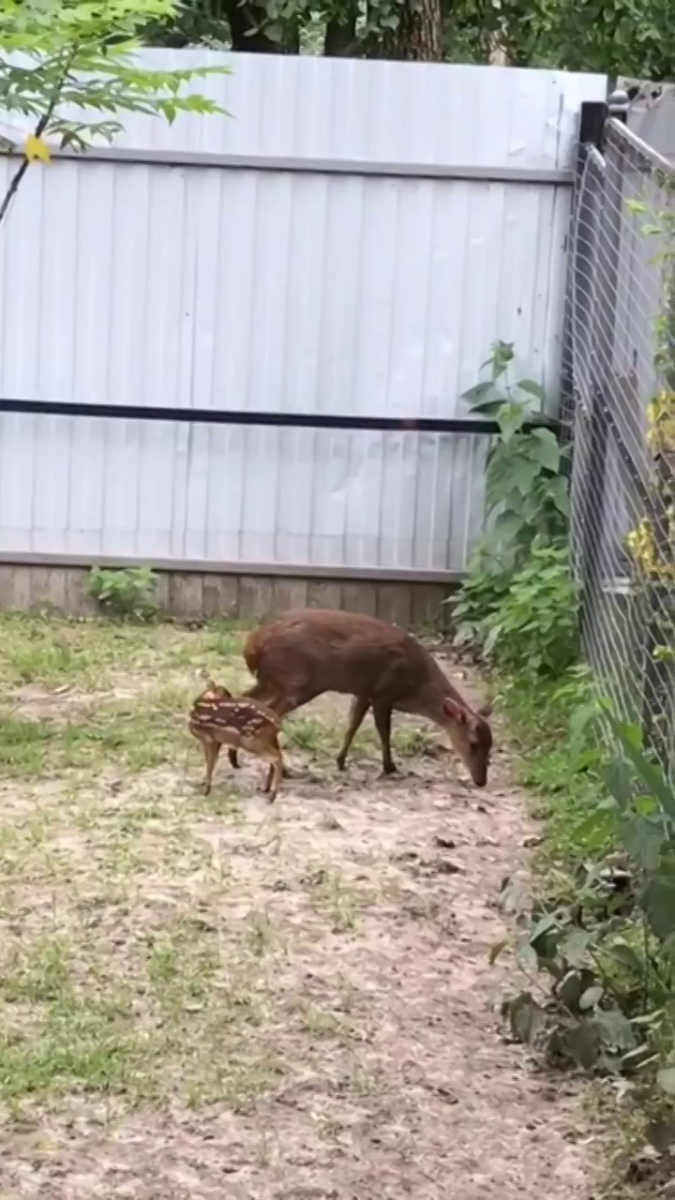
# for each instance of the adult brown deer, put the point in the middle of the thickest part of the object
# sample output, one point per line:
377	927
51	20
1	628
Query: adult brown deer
305	652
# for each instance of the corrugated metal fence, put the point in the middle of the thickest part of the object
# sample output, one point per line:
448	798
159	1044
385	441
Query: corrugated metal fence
351	241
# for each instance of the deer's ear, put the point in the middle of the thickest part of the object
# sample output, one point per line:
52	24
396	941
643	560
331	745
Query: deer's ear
455	711
485	710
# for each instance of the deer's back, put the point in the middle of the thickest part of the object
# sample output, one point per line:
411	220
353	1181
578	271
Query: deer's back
339	652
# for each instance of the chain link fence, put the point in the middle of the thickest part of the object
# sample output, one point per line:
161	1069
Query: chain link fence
621	348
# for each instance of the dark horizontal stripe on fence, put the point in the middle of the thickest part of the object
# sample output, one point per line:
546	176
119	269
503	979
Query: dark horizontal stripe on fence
284	420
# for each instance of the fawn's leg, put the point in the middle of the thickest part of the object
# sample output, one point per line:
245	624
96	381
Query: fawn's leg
359	708
274	774
232	755
382	715
211	752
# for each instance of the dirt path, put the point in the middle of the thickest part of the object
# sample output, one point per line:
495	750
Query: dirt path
359	1049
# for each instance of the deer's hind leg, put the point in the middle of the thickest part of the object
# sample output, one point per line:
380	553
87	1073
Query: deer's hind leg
382	717
358	709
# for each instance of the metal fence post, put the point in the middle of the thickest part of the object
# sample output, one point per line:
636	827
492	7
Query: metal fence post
591	124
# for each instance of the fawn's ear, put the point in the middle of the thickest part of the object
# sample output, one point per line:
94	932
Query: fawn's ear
455	711
485	710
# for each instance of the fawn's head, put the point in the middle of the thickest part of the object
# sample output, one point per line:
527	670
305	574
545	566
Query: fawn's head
213	691
471	737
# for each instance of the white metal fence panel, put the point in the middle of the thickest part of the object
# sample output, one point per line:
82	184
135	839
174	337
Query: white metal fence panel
279	290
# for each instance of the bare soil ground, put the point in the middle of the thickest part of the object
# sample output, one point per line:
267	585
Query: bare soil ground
220	998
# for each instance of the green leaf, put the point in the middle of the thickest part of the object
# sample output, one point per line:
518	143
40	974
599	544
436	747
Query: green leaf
502	355
616	778
652	778
591	997
544	925
558	491
510	419
549	450
476	395
625	954
527	1018
581	722
637	1059
615	1029
570	990
573	947
594	830
643	838
492	640
507	525
658	902
532	388
581	1043
488	408
666	1080
527	959
506	474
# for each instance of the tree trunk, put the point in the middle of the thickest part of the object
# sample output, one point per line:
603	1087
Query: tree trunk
340	37
419	34
244	18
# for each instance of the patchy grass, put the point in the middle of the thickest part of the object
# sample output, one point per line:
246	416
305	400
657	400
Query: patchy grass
55	652
560	777
189	981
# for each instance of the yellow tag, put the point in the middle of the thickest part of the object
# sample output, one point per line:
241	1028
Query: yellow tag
36	149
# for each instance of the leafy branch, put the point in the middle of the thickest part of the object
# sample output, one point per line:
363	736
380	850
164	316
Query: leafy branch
60	56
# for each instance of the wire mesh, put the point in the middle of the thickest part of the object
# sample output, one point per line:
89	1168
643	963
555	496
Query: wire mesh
622	348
